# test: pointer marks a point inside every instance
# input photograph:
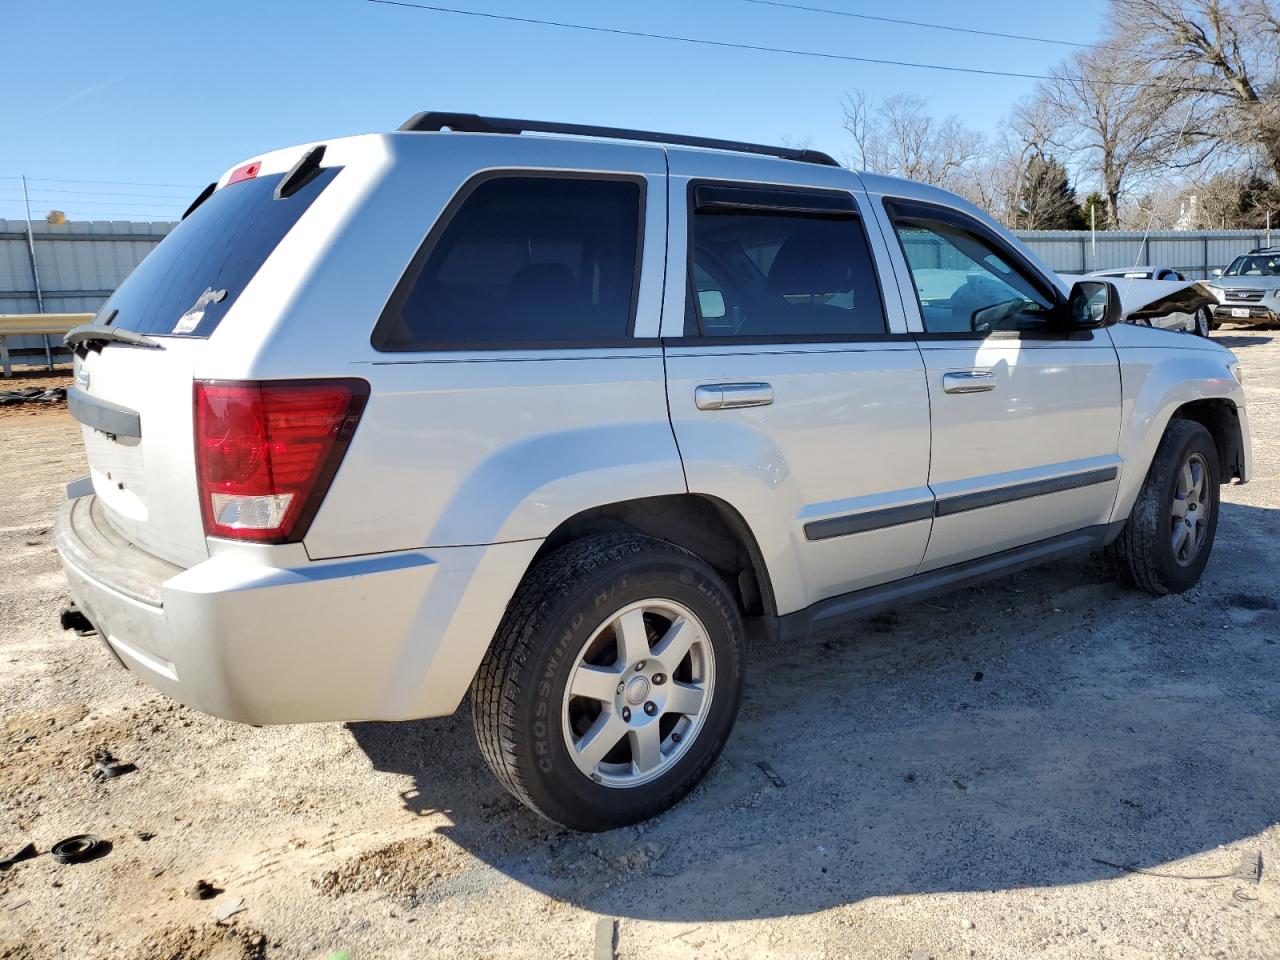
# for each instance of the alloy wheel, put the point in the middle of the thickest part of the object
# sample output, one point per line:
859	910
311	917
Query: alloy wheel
1189	512
639	692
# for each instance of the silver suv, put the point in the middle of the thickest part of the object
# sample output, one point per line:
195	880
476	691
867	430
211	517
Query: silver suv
552	418
1248	291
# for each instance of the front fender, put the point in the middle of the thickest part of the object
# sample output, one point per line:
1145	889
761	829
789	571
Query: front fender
1156	381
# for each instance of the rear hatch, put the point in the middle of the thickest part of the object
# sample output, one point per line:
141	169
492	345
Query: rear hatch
135	400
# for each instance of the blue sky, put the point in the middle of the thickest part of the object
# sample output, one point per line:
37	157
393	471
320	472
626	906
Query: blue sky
153	94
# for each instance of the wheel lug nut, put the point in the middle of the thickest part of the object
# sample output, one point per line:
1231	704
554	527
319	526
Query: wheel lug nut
651	708
640	666
626	714
659	679
621	687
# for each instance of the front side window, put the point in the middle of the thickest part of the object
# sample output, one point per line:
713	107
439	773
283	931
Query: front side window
784	272
963	282
524	261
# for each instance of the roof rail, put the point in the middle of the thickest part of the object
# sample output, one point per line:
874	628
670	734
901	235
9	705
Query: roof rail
473	123
1272	249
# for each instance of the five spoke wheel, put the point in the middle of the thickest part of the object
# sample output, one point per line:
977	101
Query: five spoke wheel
639	692
1189	514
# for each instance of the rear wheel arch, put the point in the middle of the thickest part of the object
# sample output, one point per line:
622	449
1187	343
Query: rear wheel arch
707	527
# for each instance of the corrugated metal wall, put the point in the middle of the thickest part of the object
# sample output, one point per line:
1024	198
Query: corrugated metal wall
1194	253
81	263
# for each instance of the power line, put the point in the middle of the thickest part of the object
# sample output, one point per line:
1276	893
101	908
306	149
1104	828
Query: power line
757	48
101	193
920	23
36	198
115	183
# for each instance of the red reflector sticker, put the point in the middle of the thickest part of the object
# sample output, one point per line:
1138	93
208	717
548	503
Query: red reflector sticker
247	172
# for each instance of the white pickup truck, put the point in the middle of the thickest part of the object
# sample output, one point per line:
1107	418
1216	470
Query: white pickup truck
550	414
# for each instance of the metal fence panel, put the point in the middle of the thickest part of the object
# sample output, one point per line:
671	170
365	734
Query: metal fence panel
1193	252
80	264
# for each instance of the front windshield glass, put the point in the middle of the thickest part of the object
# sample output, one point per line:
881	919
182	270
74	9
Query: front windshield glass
1257	266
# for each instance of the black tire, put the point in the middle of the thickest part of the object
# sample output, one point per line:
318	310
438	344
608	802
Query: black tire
517	695
1204	322
1143	554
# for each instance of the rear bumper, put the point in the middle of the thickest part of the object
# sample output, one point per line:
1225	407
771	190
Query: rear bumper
384	637
1257	313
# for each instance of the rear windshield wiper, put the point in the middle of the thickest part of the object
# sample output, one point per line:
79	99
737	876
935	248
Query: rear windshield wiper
89	333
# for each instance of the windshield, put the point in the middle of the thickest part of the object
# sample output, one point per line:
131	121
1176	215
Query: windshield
1257	266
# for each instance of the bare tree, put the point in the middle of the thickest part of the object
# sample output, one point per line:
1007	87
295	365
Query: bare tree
1111	115
1228	48
900	137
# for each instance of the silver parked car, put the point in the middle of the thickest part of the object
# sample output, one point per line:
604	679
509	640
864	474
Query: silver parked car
1199	321
1248	291
550	413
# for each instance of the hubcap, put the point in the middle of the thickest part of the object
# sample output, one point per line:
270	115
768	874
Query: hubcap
1189	519
638	694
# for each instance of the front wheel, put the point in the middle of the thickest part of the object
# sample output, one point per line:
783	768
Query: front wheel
612	683
1166	541
1204	322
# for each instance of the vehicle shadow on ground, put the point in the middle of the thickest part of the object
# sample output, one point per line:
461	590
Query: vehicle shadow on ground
1004	736
1234	341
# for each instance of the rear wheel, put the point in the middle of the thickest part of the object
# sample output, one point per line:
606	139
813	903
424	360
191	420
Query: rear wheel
612	683
1165	543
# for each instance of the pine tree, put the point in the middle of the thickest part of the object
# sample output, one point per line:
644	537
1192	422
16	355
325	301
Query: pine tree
1048	200
1098	203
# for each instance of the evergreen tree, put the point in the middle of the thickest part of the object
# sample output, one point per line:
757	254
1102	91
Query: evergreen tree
1098	203
1048	200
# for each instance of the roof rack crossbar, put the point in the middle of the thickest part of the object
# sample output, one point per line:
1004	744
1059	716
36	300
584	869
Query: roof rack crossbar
473	123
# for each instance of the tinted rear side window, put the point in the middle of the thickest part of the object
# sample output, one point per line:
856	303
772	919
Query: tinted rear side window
524	261
185	285
778	274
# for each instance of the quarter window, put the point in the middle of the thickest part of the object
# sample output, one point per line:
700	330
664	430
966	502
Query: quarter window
780	268
964	282
524	261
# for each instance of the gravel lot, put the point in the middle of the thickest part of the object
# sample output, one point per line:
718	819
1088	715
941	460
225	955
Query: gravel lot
945	780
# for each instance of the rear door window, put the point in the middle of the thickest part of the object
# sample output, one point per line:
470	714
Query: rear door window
780	264
523	262
185	286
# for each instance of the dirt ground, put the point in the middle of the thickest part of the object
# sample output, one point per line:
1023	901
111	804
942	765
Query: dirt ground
947	780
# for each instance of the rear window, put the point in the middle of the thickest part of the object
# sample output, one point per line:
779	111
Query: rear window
524	261
186	284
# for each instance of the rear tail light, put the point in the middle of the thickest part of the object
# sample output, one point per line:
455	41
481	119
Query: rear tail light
267	451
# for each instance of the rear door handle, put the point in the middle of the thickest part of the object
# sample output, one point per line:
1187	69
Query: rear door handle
968	381
729	396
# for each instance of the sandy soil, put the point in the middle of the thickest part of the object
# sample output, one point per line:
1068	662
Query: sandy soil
952	774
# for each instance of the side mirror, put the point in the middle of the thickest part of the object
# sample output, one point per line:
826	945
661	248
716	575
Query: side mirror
1093	304
1215	272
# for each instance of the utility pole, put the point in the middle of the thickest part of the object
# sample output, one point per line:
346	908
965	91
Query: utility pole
35	270
1093	232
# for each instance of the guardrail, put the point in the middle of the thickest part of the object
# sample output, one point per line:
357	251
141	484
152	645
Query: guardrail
34	324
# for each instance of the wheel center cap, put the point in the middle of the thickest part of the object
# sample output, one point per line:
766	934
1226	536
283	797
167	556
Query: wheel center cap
637	690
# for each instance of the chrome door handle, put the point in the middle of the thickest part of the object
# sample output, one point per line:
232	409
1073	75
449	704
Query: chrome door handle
728	396
968	381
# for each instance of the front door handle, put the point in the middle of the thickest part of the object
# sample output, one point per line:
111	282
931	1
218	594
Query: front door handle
968	381
729	396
